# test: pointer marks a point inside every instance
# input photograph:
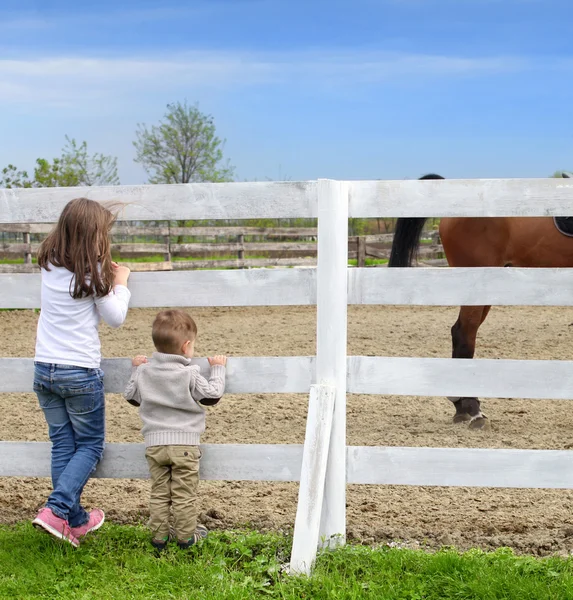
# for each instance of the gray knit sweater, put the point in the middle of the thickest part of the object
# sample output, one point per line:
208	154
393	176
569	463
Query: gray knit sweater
167	390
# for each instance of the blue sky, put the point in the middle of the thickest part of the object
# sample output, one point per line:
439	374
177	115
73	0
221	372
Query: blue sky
368	89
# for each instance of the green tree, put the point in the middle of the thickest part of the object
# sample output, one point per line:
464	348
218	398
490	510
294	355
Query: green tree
75	167
54	174
182	148
13	178
560	174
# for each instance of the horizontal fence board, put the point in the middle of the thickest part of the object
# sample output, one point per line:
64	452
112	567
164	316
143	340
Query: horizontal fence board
431	286
240	263
385	238
473	286
143	267
134	266
488	378
206	247
41	228
191	248
245	375
188	265
19	268
222	462
377	252
232	230
160	230
462	198
471	467
17	248
247	247
404	198
257	200
257	287
213	231
141	248
467	467
309	247
26	227
399	376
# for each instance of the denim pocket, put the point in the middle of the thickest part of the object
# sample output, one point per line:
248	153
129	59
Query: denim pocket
82	396
77	389
39	387
45	396
48	400
78	404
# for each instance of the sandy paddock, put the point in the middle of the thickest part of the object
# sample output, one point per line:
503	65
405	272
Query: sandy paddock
537	521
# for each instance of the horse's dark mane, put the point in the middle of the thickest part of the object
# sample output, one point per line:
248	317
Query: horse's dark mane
432	176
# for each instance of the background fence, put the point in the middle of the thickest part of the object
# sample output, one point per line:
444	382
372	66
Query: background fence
331	286
183	248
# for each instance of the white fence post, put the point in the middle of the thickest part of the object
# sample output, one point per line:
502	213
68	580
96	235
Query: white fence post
332	267
312	476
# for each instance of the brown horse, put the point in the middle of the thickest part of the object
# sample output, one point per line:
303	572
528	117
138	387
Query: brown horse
483	242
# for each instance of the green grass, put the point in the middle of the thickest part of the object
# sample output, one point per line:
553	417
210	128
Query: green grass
16	261
369	261
117	562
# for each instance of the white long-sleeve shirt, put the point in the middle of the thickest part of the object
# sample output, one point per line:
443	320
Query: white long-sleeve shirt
68	328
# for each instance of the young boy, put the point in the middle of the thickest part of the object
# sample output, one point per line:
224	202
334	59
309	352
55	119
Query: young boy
169	391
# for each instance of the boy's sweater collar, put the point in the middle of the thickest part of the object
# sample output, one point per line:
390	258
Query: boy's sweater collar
163	358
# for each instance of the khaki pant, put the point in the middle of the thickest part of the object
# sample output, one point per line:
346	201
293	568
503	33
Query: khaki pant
174	481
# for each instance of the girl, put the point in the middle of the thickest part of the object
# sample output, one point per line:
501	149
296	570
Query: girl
80	284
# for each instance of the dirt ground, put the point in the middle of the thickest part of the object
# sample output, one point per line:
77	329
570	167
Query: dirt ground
533	521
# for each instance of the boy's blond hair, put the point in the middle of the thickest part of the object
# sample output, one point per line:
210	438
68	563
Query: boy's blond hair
171	329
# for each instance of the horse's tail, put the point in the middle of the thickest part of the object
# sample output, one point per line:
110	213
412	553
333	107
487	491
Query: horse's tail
406	241
407	237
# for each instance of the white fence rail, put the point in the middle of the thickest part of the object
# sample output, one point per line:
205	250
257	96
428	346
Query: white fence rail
465	467
274	200
331	286
267	287
395	376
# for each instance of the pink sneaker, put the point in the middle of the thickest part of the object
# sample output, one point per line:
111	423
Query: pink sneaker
47	521
95	521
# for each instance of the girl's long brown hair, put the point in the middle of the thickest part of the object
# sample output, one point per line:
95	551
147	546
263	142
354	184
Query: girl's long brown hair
80	243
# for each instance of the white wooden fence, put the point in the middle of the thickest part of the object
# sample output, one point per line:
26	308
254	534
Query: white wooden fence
325	464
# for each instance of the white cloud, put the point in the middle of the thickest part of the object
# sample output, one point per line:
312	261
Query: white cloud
65	80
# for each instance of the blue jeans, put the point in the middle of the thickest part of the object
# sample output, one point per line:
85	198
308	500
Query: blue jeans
73	402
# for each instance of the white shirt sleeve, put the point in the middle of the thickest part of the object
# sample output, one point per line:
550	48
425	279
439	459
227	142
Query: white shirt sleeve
113	307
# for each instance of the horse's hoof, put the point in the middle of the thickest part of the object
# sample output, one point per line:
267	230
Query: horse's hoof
461	418
481	423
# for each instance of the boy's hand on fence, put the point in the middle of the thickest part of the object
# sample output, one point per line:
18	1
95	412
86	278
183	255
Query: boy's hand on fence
139	360
219	359
120	274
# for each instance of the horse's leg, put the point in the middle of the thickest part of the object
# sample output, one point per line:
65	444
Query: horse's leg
464	334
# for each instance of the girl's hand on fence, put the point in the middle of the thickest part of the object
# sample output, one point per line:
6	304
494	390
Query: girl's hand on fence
121	274
139	360
219	359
